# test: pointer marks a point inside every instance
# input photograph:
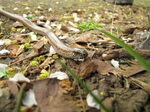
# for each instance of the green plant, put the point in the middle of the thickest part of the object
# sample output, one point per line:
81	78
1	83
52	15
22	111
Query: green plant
148	18
27	44
142	61
44	74
19	99
83	26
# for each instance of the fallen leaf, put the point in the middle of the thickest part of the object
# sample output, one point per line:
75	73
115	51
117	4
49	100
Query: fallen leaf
82	105
79	45
19	37
17	25
64	28
38	46
131	70
88	36
13	87
65	84
111	55
14	48
49	96
47	62
2	83
141	84
20	50
104	67
86	68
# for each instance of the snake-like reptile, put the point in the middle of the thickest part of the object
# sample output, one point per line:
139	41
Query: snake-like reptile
59	47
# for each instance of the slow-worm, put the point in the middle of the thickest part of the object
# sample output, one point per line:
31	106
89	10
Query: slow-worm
59	47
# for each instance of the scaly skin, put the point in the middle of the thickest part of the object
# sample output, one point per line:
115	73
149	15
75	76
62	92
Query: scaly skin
59	47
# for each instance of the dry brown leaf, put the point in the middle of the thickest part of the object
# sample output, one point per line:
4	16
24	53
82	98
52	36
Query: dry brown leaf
131	70
49	94
141	84
58	32
20	50
47	62
91	53
111	55
19	37
79	45
64	28
14	48
65	84
88	36
17	24
86	68
2	83
38	47
105	68
82	105
13	87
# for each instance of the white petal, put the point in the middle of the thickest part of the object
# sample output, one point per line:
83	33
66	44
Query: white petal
15	8
74	29
41	17
79	59
90	100
50	9
63	37
59	75
19	77
27	8
3	65
3	51
72	24
33	36
76	19
51	50
2	42
24	15
115	64
29	98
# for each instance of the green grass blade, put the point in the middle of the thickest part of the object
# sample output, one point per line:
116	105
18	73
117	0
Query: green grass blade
19	99
142	61
83	85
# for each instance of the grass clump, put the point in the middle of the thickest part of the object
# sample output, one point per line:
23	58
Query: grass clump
89	25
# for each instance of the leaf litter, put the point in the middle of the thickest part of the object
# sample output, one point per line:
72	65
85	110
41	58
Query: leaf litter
77	25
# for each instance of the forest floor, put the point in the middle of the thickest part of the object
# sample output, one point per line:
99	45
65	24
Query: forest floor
122	84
